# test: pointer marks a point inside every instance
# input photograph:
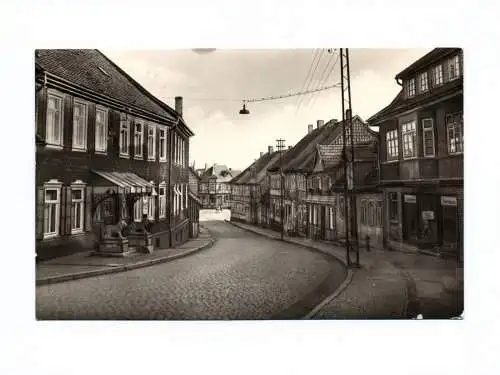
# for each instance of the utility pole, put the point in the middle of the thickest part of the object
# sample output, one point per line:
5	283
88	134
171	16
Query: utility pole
280	145
350	211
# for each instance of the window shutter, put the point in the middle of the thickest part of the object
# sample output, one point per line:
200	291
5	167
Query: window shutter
65	206
39	212
67	127
41	118
91	127
88	208
157	206
131	143
157	141
145	140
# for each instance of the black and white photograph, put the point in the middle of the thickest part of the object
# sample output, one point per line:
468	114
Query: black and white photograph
249	184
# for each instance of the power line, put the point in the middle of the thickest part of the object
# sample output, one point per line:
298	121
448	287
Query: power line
316	52
299	93
324	79
314	71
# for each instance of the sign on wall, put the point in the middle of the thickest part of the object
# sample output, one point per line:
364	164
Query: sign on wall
428	215
410	198
448	201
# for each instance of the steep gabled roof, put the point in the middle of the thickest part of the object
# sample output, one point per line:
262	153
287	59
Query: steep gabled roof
193	172
256	171
91	69
427	60
301	157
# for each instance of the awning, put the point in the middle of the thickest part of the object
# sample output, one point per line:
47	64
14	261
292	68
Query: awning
130	182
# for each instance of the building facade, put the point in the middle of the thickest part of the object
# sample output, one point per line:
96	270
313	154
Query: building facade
214	187
111	159
421	153
248	202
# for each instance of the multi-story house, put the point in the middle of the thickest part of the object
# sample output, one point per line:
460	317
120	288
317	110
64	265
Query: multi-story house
421	155
248	188
326	194
194	203
214	188
109	157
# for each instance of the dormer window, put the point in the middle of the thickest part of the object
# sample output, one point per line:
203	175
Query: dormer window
410	88
453	68
423	82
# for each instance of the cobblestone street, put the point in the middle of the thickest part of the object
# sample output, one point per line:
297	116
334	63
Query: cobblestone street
243	276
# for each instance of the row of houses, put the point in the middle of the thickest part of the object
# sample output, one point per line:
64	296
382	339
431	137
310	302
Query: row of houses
408	176
111	160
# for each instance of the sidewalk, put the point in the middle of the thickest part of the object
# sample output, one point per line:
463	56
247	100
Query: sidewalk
82	265
389	284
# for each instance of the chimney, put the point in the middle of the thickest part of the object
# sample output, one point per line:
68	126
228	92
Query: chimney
310	128
261	154
178	105
270	149
319	123
289	147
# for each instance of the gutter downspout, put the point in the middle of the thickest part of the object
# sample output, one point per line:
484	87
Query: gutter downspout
170	190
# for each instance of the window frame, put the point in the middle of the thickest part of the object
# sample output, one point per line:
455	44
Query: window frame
81	202
85	116
427	130
139	155
57	186
437	69
138	209
407	133
163	149
421	81
392	144
162	200
411	88
454	124
124	125
99	150
455	63
151	127
52	143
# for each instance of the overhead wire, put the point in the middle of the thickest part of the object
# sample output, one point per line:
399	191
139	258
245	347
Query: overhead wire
313	73
323	79
315	55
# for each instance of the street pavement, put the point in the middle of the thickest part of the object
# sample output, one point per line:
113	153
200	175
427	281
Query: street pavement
242	276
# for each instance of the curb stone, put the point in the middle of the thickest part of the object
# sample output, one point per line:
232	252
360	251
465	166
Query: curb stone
127	267
332	296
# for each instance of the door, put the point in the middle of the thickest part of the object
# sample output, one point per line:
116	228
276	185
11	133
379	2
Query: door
429	234
449	214
410	218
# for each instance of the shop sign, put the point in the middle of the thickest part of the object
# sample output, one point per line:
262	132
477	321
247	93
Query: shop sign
410	198
428	215
448	201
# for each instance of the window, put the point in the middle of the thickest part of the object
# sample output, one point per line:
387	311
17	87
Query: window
409	133
101	129
151	207
138	134
453	68
392	144
393	207
424	82
162	201
151	142
52	210
437	75
79	125
410	88
77	201
428	137
54	130
163	144
455	128
138	210
124	137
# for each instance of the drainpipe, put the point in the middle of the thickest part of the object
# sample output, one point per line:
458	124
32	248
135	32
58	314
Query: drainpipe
171	150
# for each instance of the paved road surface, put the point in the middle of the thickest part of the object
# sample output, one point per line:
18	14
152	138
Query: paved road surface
243	276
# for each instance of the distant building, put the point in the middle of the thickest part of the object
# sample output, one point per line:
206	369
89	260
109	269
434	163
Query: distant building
194	204
421	155
214	188
249	190
108	155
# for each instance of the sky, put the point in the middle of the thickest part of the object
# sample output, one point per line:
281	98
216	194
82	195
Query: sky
214	83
